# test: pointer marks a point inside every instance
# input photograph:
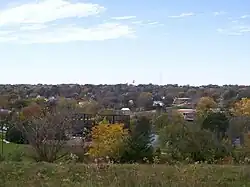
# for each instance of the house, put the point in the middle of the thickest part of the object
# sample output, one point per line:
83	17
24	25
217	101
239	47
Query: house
188	114
126	111
4	112
185	101
158	103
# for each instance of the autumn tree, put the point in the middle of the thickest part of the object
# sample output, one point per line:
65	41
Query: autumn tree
31	111
204	106
108	141
241	113
242	107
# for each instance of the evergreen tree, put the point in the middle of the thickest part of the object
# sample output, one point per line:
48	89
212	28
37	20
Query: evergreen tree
139	144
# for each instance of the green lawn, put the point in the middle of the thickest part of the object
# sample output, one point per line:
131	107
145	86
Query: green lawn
12	150
44	174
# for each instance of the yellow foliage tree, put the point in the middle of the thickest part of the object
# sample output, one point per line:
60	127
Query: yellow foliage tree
205	105
242	111
107	140
242	107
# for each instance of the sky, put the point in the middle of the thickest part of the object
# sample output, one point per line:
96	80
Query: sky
186	42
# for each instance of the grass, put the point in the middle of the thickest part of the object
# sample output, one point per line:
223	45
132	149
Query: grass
10	147
44	174
13	151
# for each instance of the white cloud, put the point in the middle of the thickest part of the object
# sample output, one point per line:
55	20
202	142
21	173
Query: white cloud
228	32
235	28
36	23
183	15
124	17
137	22
48	10
245	16
33	27
71	33
153	23
219	13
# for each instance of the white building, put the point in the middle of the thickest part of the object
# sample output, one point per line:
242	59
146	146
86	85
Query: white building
126	111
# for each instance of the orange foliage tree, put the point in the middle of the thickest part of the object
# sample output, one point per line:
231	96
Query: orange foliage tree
33	110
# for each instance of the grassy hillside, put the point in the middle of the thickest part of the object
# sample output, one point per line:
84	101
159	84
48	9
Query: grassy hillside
44	174
10	147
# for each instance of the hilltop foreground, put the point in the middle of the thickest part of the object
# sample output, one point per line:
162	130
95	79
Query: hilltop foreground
44	174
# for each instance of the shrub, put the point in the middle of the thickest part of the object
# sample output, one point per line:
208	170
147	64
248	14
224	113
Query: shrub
46	131
182	144
14	135
108	141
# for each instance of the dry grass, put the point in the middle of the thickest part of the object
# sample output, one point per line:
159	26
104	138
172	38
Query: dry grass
56	175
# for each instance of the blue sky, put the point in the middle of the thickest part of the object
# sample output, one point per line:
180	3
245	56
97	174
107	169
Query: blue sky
192	42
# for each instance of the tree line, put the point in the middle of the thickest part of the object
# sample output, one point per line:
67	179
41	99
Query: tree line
121	95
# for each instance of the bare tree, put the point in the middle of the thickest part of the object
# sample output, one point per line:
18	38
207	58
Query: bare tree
46	133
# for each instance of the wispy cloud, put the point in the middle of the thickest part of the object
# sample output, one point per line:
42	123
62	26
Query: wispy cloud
153	23
137	22
236	28
245	16
219	13
183	15
38	23
124	17
147	23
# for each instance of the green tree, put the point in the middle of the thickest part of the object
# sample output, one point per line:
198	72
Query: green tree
165	119
216	122
181	144
139	144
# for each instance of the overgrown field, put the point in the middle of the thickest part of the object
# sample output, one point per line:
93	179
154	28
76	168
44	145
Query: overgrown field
44	174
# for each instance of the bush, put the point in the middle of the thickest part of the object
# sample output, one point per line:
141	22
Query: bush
184	145
14	135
